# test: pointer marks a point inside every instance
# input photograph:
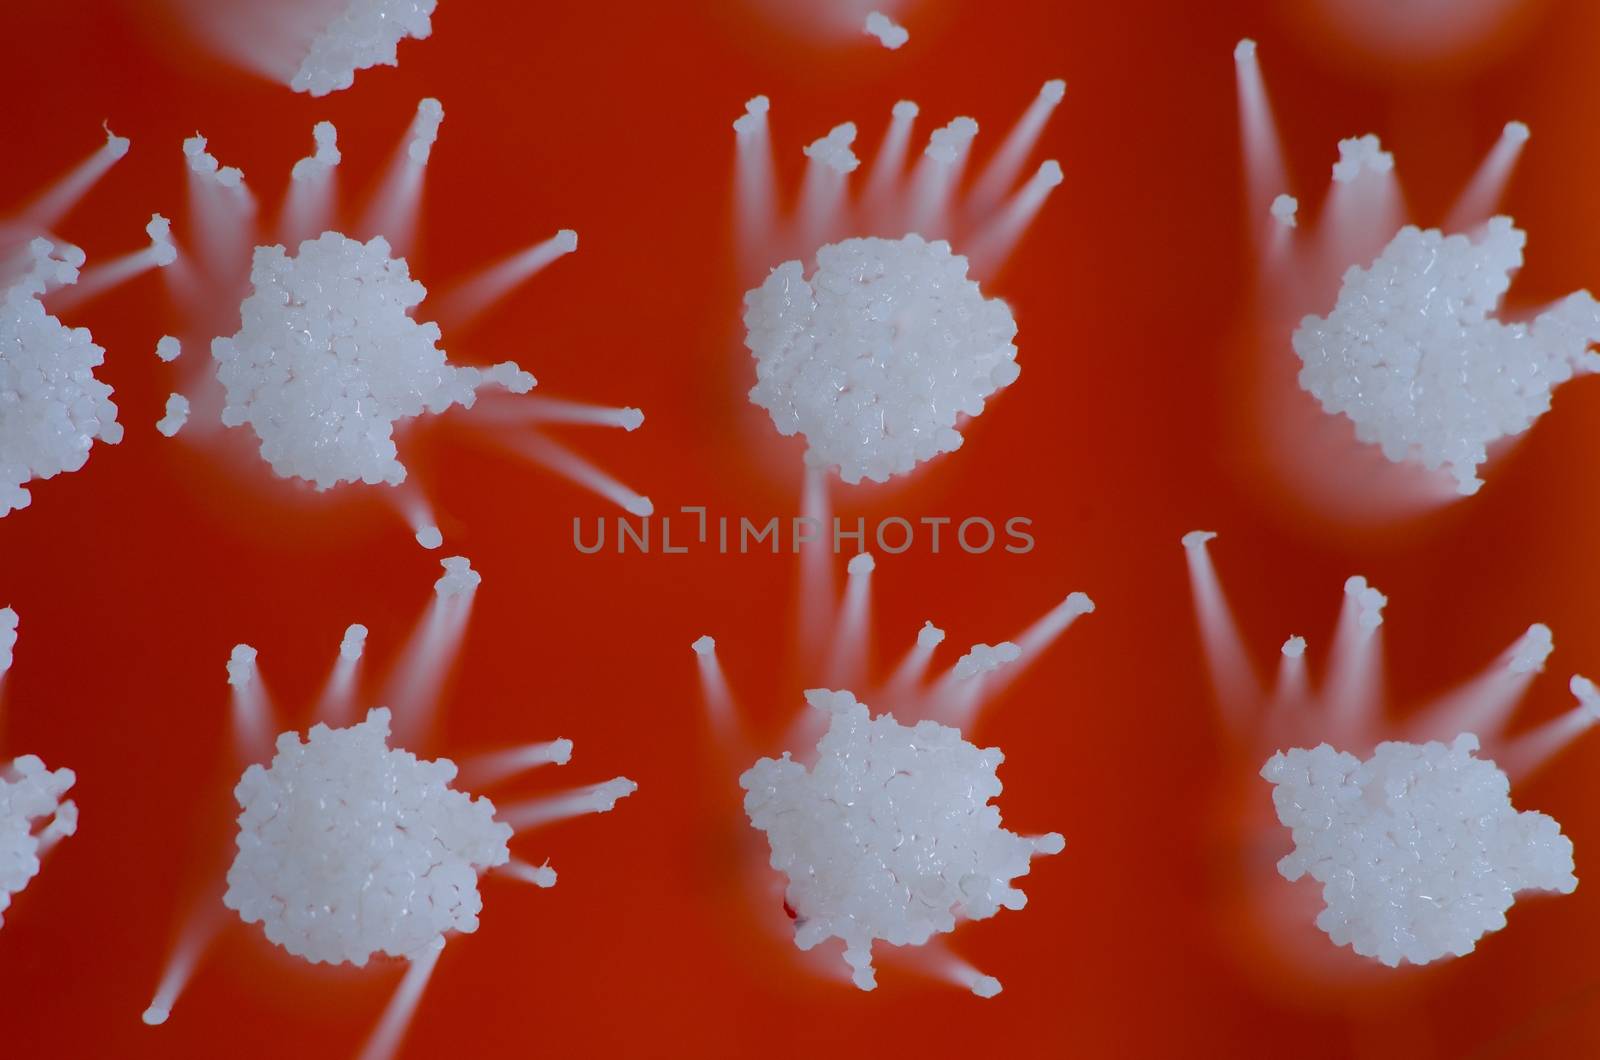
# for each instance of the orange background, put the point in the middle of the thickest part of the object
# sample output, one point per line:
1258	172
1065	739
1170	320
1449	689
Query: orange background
1133	293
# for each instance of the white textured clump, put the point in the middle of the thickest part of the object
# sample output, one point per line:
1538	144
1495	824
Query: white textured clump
1245	49
366	33
1528	655
1198	538
52	408
205	164
876	355
905	109
889	33
890	835
951	142
430	537
704	646
1410	354
458	578
328	358
929	636
1294	647
1284	209
754	116
163	251
324	156
177	415
1361	153
168	348
1369	602
241	665
425	130
348	848
861	563
30	798
834	151
1517	132
985	658
1418	849
1588	697
354	641
8	637
116	146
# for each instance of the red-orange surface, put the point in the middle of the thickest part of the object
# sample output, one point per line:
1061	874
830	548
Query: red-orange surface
1133	293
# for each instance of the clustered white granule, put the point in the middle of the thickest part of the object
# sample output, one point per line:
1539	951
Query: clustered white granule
349	848
1294	647
1410	354
430	537
8	637
876	355
861	563
30	798
177	414
205	164
163	251
1358	153
1418	849
366	33
52	408
929	636
354	641
425	130
889	33
833	150
458	578
168	348
754	116
890	835
985	658
1284	209
949	143
328	358
241	665
704	646
1369	602
1528	655
323	157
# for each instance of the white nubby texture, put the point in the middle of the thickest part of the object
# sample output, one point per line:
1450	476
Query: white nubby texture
1418	849
366	33
52	408
349	848
30	799
327	359
890	835
875	357
1411	355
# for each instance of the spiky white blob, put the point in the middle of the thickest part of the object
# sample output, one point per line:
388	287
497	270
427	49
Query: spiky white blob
323	157
52	408
1284	209
890	835
1418	849
1361	153
328	359
889	33
875	357
31	798
834	151
349	848
458	579
985	658
1528	655
177	414
366	33
1411	356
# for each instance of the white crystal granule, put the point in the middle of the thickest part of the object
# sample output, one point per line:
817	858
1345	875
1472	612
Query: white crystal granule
177	414
877	354
1418	849
458	578
354	641
52	408
168	348
1361	153
349	848
986	658
328	358
430	537
1528	655
32	814
1369	602
890	835
1411	356
889	32
1284	209
365	33
241	665
834	150
8	637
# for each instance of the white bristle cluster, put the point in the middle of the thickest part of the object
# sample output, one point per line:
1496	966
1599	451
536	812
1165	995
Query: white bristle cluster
1588	696
1410	355
430	537
8	637
354	641
1418	849
328	358
163	251
168	348
876	355
834	151
985	658
425	130
366	33
1244	50
929	636
1198	538
1517	132
177	414
754	116
1361	153
1528	655
1284	209
31	798
890	835
324	156
348	848
951	142
241	665
905	110
889	33
205	164
861	563
1294	647
704	646
52	408
1369	602
1053	91
458	578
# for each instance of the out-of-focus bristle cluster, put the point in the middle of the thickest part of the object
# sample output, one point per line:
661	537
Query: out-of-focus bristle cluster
875	356
8	637
30	798
1410	354
948	143
986	658
348	848
890	835
1418	849
889	33
328	358
52	408
366	33
1528	655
